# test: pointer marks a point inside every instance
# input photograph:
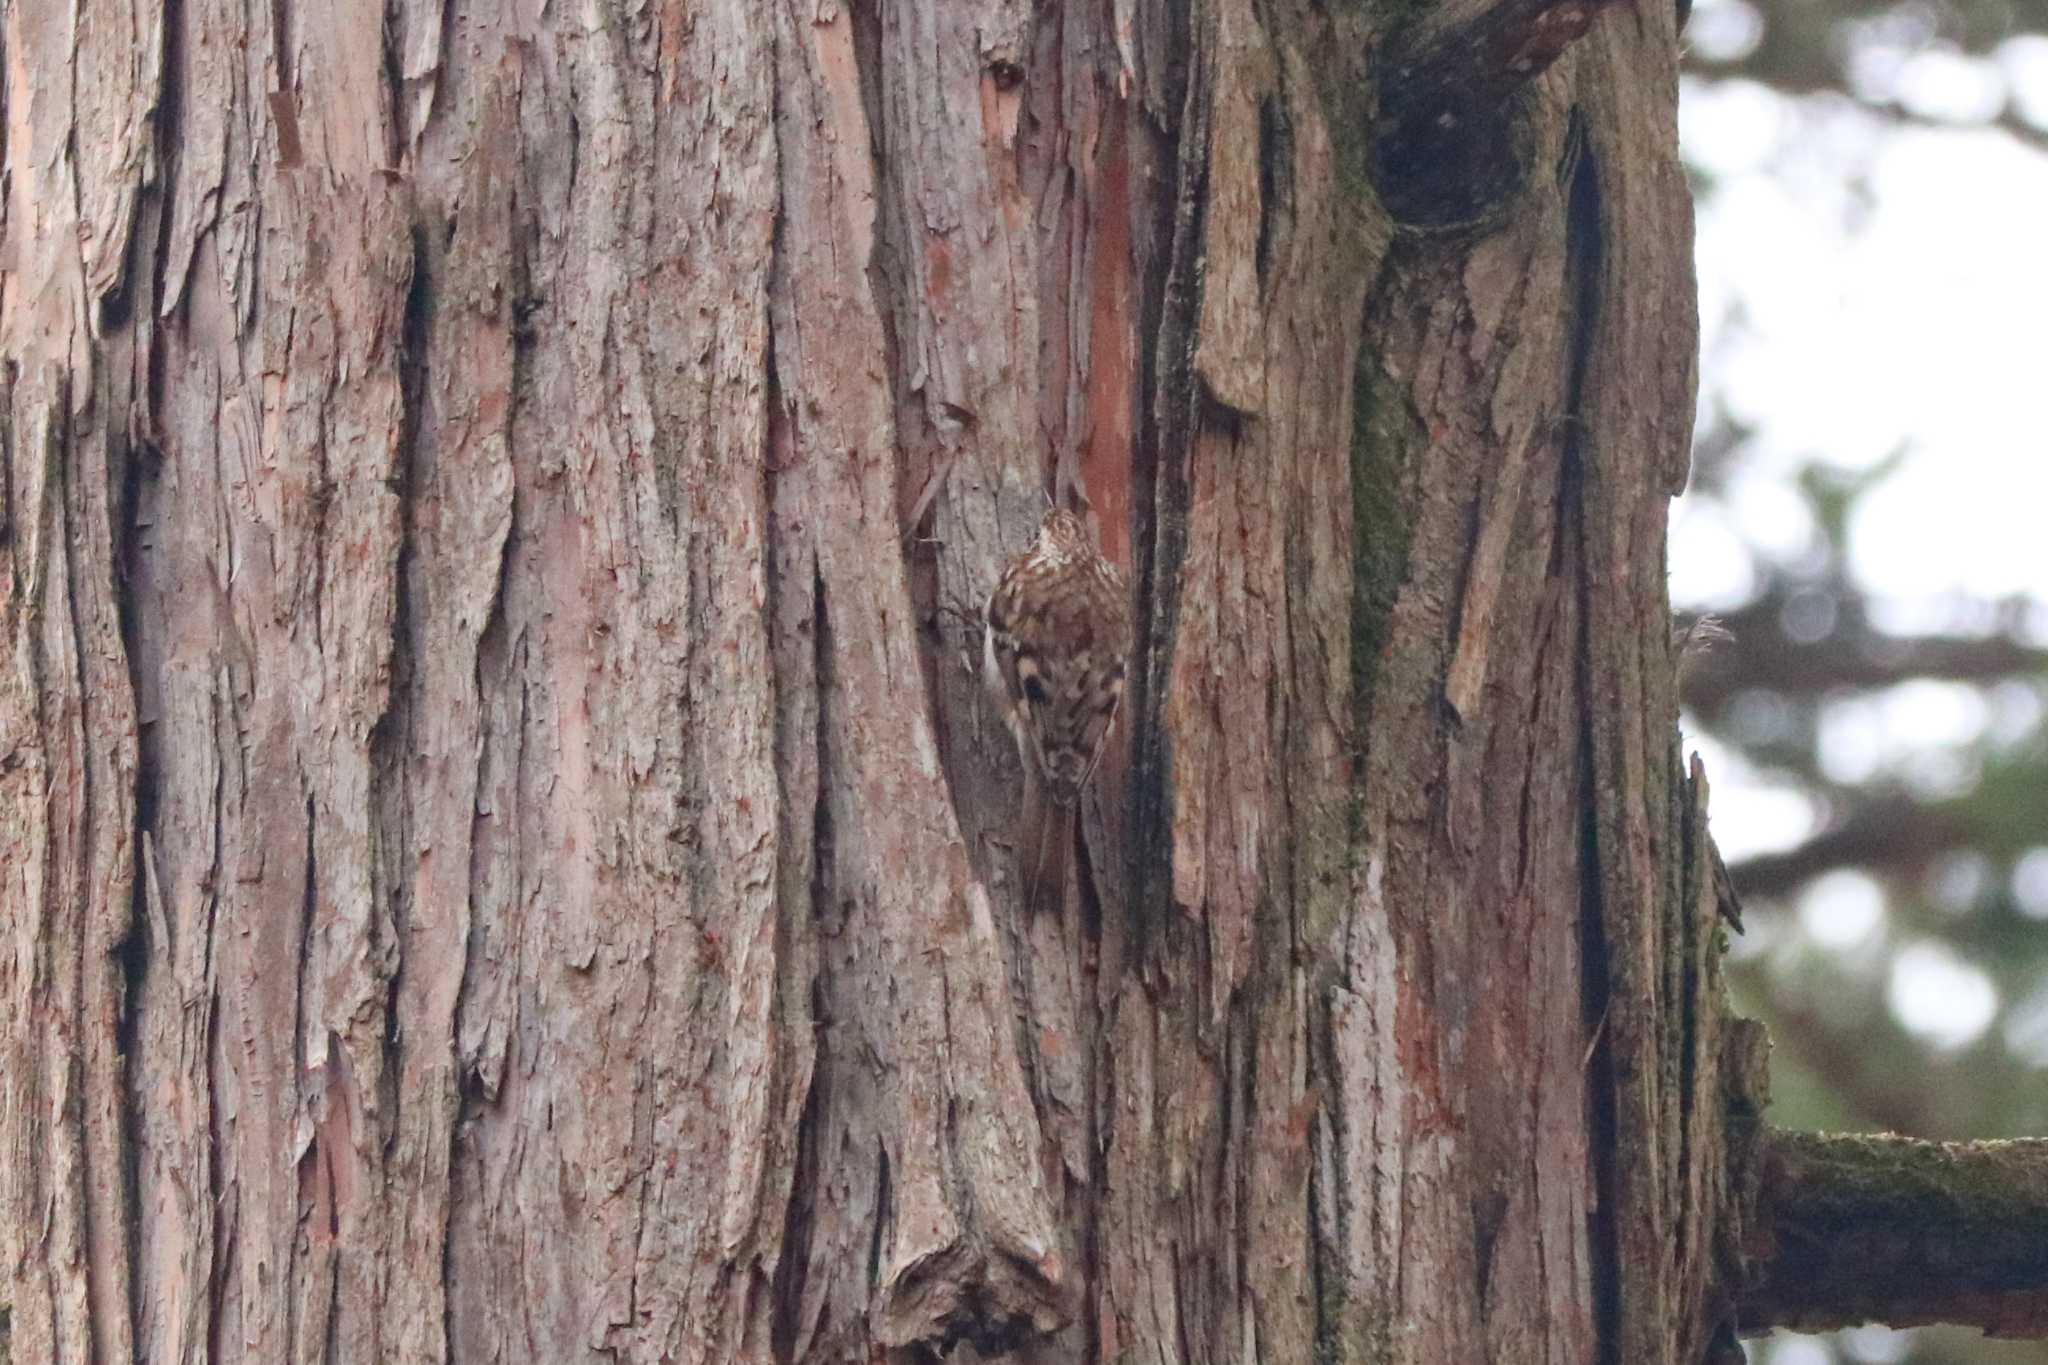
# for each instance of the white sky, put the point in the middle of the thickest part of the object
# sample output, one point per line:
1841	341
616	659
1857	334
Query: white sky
1846	322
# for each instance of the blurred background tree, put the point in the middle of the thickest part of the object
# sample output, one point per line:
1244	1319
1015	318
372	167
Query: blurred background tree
1869	485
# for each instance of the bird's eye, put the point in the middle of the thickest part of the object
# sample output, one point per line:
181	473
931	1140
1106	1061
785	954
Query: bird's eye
1034	690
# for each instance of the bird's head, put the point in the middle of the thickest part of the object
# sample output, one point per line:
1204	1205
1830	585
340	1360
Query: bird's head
1062	534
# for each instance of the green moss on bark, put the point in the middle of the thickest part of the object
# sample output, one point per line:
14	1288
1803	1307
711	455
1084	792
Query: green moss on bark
1386	435
1859	1227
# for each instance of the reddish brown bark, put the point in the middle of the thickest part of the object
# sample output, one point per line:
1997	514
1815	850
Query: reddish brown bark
509	856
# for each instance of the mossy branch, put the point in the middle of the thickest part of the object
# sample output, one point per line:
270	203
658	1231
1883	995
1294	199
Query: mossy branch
1860	1228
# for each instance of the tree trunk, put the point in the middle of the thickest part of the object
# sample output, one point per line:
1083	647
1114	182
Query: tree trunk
507	851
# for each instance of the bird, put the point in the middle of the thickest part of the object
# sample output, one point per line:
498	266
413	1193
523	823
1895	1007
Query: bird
1055	651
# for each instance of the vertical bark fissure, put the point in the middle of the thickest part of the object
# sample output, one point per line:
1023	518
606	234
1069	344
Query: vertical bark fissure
309	897
214	1213
280	45
1632	223
330	1337
136	946
1166	368
794	1252
76	880
1582	275
1163	311
320	1222
1603	1118
1689	996
395	734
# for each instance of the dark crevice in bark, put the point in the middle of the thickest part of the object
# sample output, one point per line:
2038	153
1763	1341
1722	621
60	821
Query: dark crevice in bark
1583	251
794	1255
141	259
392	737
439	76
1237	1119
134	949
221	1268
1574	147
575	158
1690	994
1166	433
135	467
527	303
131	957
73	884
1745	1059
9	371
1532	715
883	1213
217	1271
394	96
1087	890
1327	1226
6	129
280	43
1099	1082
62	496
867	69
330	1347
1489	1208
494	672
792	1271
308	903
883	271
309	899
489	668
117	305
1603	1122
789	1280
63	883
1276	178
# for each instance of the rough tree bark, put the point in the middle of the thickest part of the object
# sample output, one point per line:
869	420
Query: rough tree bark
505	849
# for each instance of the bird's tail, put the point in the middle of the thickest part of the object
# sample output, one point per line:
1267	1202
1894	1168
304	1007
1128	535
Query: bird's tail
1046	850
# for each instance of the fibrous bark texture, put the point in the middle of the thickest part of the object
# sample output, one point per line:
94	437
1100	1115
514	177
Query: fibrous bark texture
507	854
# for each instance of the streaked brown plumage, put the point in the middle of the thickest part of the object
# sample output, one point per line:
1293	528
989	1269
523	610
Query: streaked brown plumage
1059	634
1058	641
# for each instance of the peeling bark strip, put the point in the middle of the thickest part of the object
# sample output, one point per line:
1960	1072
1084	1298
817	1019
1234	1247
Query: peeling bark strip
506	857
1856	1228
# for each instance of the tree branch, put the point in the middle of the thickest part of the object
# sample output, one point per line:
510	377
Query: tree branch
1826	78
1757	654
1894	833
1889	831
1859	1228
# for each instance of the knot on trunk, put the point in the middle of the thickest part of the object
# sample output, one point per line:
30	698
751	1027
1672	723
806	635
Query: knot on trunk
1451	146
